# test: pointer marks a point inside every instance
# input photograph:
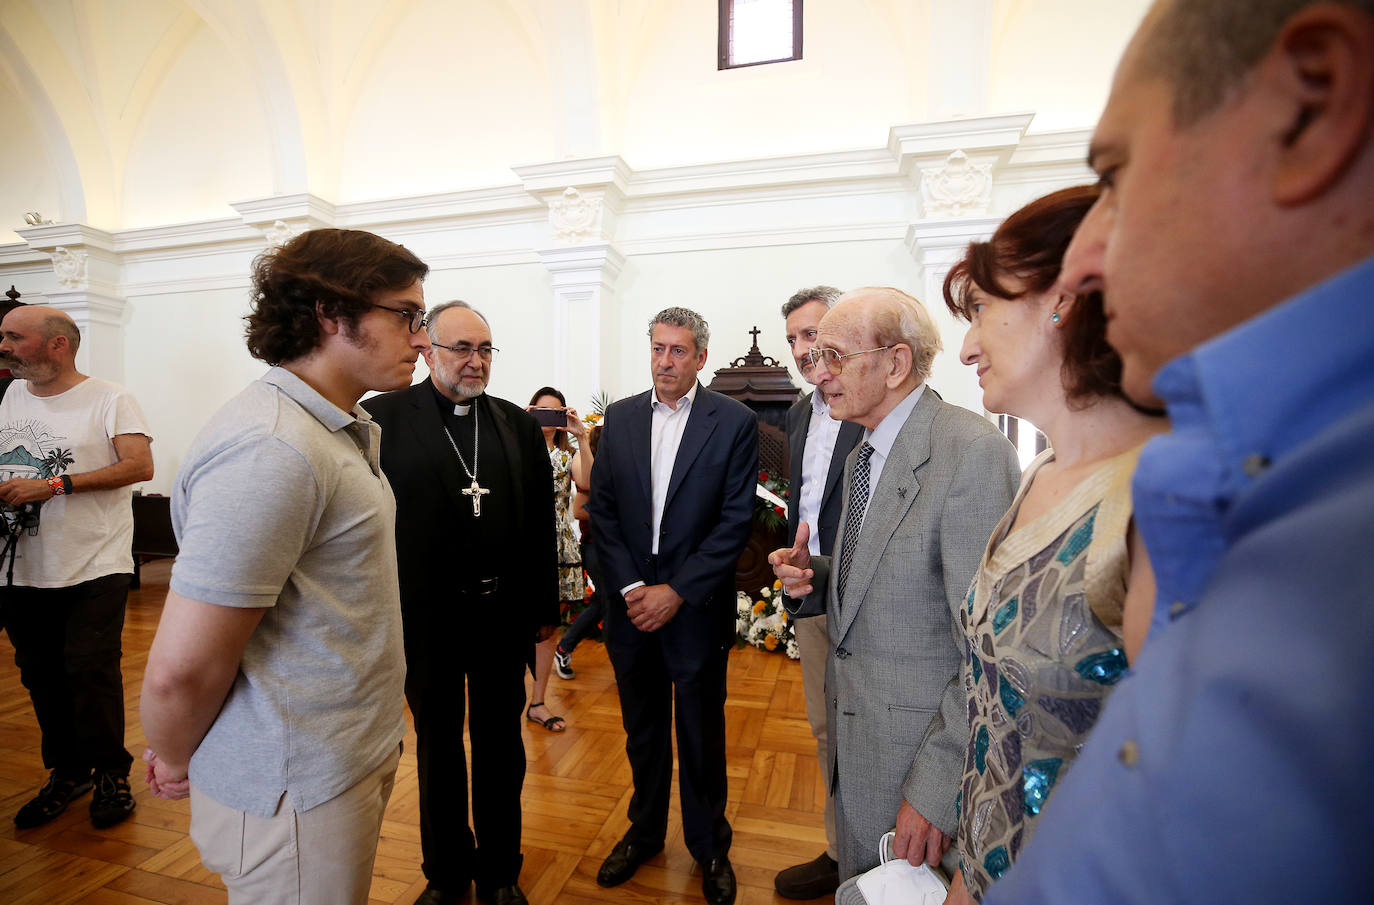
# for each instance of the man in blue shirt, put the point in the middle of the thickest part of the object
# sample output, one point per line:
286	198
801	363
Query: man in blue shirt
1235	242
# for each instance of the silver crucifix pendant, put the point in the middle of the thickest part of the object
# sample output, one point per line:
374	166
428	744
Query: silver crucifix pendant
476	492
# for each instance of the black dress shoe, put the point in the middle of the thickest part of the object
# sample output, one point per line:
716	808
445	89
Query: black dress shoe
435	895
811	880
503	895
621	864
718	881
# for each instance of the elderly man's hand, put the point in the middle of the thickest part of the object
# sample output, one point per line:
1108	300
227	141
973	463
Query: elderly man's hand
164	780
792	565
918	839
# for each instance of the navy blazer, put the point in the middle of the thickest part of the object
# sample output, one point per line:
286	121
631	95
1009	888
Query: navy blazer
798	422
708	513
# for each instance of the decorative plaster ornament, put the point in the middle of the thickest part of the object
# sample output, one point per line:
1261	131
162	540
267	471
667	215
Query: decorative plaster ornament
281	232
70	267
573	216
958	188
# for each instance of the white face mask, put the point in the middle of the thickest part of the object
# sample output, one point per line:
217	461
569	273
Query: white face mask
896	882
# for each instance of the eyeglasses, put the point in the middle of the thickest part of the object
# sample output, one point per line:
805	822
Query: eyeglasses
416	316
834	361
464	350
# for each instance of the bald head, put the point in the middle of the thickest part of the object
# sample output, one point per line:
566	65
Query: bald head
877	345
38	343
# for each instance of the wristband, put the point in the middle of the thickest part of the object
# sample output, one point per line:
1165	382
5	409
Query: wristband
60	484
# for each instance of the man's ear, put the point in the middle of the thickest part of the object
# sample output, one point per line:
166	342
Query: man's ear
701	360
329	325
901	365
1321	73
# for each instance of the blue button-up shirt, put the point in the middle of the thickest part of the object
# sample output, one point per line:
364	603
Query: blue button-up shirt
1236	763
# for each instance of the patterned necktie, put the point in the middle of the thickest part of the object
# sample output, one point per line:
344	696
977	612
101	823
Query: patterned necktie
858	502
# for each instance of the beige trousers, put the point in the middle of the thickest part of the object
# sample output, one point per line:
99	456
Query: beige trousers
813	640
322	856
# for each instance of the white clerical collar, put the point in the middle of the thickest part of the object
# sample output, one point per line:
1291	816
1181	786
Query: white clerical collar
689	399
460	410
885	434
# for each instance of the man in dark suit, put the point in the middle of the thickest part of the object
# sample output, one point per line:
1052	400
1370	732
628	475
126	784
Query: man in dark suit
672	500
476	550
817	446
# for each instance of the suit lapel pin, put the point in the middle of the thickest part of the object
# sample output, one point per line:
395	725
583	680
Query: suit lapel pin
901	492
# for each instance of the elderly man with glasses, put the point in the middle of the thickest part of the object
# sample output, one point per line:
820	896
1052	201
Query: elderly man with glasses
477	552
923	492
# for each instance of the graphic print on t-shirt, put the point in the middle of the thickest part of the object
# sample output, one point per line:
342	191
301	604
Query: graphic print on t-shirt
30	449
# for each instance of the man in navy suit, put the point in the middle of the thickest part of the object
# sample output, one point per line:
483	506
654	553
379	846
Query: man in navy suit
672	500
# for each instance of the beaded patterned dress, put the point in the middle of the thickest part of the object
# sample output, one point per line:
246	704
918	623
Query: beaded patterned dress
1043	648
570	582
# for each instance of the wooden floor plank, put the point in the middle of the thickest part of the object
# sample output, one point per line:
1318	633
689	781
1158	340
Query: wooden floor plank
577	790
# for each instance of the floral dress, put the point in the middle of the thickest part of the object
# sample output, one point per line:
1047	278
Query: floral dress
1043	648
570	582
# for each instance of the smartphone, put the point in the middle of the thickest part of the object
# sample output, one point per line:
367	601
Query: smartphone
550	417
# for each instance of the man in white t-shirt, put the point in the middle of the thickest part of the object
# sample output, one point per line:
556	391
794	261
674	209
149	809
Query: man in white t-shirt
71	446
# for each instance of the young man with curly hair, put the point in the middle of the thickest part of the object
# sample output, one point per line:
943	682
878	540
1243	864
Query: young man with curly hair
273	694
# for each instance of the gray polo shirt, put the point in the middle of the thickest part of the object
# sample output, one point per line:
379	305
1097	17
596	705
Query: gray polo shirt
281	504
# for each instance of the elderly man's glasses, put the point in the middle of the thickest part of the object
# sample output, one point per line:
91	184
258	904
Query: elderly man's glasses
416	316
464	350
834	361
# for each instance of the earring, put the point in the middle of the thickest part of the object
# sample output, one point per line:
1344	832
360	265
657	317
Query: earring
1054	318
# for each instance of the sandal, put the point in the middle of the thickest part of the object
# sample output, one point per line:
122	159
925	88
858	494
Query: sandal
553	723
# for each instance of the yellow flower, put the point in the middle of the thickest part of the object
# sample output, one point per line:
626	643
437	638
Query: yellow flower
758	608
777	584
770	642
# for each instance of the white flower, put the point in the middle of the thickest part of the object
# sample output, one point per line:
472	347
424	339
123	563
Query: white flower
792	650
766	592
743	605
741	626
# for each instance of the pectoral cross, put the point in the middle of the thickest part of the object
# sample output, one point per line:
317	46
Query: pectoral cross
476	492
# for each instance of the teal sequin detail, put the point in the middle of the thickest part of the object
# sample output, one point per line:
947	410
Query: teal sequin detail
997	862
1004	615
1104	668
1037	778
976	666
1012	701
980	749
1078	542
971	591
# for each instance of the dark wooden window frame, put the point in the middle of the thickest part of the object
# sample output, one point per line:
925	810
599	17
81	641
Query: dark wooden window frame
723	38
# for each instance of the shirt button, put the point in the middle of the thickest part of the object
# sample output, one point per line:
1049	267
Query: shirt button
1177	608
1129	753
1254	464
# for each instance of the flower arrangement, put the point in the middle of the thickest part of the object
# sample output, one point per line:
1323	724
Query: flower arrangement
764	623
768	514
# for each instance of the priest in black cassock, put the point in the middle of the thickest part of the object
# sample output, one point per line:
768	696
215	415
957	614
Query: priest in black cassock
477	553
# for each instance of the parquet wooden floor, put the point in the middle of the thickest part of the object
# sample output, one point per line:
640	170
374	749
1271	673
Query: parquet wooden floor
576	791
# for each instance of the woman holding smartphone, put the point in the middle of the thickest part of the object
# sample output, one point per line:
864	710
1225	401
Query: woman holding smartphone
571	465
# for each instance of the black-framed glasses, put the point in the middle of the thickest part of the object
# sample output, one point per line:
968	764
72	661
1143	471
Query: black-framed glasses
834	361
464	350
416	316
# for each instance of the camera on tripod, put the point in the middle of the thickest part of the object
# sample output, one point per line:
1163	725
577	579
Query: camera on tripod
21	519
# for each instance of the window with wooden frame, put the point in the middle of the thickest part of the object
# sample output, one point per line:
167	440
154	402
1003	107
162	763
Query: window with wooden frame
754	32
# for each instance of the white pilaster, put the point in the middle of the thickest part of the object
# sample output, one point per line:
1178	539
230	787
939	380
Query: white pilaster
88	275
936	245
586	319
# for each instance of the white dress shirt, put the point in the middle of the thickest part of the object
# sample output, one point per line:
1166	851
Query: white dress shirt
664	440
884	435
821	435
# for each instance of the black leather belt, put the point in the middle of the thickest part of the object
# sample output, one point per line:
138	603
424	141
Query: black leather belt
481	587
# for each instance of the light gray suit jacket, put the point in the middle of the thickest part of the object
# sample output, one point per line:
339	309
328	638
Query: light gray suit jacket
896	643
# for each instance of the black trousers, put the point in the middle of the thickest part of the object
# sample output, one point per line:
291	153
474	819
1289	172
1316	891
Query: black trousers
488	851
67	645
586	621
662	689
